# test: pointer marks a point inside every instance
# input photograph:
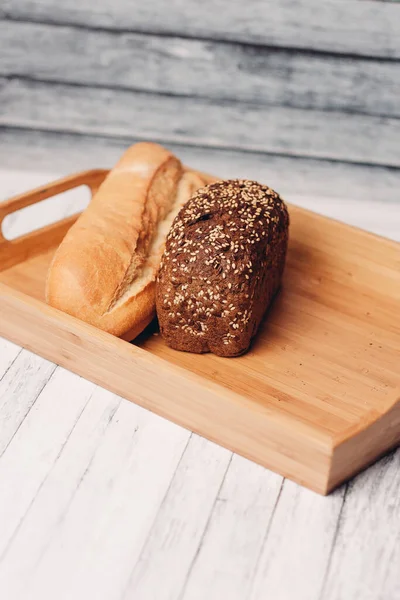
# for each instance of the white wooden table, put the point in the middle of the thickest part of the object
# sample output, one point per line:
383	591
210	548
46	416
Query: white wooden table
102	500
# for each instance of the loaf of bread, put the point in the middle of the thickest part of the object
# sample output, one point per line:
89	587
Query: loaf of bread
221	268
104	270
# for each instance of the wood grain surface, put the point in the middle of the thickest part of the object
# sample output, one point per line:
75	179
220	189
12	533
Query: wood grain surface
366	196
190	67
198	121
360	27
90	512
313	415
91	504
297	78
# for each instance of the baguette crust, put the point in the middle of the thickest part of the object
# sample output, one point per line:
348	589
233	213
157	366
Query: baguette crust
104	270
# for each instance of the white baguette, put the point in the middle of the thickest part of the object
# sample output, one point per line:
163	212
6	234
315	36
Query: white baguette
105	268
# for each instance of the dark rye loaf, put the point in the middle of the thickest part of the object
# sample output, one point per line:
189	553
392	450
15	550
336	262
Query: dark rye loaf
221	268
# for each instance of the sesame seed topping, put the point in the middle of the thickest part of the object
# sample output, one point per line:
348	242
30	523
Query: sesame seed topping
217	250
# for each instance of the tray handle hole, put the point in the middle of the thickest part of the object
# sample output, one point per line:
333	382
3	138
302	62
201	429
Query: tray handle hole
46	212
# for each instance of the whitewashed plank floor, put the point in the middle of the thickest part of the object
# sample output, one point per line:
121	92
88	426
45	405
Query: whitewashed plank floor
102	500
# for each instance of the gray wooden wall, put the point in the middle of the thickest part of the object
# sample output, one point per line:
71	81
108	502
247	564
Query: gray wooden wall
312	87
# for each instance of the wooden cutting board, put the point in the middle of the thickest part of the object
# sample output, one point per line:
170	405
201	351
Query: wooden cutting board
316	398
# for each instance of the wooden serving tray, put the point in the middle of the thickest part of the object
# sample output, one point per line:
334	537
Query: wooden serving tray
316	399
